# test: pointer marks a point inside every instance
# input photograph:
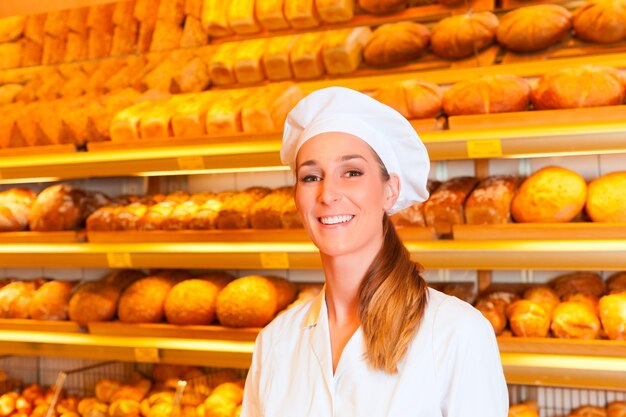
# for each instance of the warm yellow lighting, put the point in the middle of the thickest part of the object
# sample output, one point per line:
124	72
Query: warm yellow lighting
28	180
212	171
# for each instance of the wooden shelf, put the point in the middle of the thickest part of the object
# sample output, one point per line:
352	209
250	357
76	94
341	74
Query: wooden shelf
567	363
592	254
539	231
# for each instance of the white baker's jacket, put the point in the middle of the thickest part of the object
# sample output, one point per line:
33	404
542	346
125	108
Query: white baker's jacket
452	368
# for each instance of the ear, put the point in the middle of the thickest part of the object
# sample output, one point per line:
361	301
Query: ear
392	191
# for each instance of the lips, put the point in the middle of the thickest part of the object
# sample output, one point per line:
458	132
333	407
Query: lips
331	220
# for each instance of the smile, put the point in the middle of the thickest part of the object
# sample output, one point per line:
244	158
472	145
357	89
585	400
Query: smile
335	219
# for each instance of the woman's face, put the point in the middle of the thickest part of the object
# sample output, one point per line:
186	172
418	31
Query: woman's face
341	194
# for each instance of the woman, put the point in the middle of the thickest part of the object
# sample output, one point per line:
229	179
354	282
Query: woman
376	341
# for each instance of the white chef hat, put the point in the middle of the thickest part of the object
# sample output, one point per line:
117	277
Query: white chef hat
387	132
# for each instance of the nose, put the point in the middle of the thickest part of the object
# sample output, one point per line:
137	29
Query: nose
329	191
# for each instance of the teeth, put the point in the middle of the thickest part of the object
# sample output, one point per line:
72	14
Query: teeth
335	219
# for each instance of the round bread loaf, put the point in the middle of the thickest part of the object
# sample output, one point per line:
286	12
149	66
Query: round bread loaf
487	94
552	194
584	86
191	302
495	315
15	299
613	315
58	207
578	282
616	283
533	28
250	301
528	319
601	21
396	43
573	320
414	99
606	199
94	301
51	301
382	6
143	301
463	35
544	296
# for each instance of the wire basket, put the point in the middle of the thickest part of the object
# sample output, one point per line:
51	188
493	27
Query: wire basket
17	371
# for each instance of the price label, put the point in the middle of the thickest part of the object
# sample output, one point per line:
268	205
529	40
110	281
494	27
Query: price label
275	260
119	260
485	148
191	162
147	354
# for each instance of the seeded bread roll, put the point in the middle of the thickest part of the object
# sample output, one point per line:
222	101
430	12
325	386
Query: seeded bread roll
462	35
552	194
444	208
487	94
490	202
606	202
533	28
396	43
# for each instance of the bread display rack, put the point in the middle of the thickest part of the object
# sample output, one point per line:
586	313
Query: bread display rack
595	364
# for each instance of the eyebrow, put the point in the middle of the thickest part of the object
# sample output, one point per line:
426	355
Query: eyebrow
312	162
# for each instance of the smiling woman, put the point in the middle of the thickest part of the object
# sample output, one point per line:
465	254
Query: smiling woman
376	341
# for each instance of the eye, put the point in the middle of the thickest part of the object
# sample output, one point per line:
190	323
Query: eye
353	173
310	178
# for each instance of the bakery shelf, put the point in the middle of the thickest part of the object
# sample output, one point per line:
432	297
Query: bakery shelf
590	254
543	231
70	236
39	325
170	330
258	152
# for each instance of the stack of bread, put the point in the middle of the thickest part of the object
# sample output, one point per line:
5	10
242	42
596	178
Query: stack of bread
574	306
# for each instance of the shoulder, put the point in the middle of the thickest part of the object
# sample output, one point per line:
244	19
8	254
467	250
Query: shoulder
285	325
453	317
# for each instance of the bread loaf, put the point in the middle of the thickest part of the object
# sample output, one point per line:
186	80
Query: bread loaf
544	296
124	39
214	18
289	217
616	283
11	28
528	319
306	56
166	36
143	301
241	18
155	216
414	215
584	86
552	194
34	28
222	64
533	28
270	14
223	118
123	13
275	58
58	207
100	17
301	14
188	119
194	33
51	301
382	6
56	23
11	55
578	282
463	35
76	47
490	202
235	211
332	11
487	94
192	301
396	43
601	21
613	315
181	215
266	112
342	49
15	299
125	124
206	215
605	201
414	99
248	68
444	208
15	204
266	213
250	301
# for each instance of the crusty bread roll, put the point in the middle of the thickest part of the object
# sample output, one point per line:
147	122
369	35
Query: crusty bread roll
270	14
490	202
533	28
613	315
487	94
601	21
584	86
414	99
396	43
578	282
58	207
247	302
444	208
574	320
51	301
544	296
342	48
143	301
333	11
124	408
616	283
605	200
181	215
552	194
462	35
528	319
382	6
94	301
15	204
191	302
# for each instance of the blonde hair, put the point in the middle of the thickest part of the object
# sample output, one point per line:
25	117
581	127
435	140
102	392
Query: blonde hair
392	299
